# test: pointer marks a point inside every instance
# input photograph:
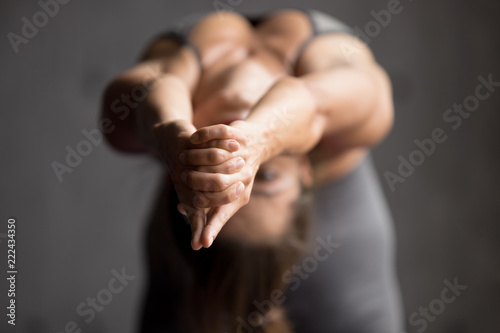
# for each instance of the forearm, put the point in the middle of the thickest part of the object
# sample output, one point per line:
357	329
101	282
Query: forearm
352	104
286	120
138	100
356	102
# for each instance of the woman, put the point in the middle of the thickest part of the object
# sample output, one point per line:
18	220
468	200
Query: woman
251	115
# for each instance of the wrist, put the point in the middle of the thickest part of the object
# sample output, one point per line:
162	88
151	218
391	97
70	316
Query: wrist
260	141
166	138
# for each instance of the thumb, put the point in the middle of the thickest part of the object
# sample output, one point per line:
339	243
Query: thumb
197	220
216	221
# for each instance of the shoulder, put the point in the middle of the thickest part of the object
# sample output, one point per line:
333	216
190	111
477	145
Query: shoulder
283	23
192	41
330	50
282	32
287	23
165	55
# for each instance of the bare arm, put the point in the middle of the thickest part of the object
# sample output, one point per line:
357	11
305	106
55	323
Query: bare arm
157	90
349	100
150	106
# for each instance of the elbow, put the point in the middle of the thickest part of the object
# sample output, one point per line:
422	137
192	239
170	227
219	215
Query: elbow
117	119
381	120
375	128
383	115
381	126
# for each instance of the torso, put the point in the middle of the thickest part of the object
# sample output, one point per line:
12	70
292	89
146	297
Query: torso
226	39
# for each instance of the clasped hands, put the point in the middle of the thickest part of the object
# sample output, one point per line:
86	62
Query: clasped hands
213	170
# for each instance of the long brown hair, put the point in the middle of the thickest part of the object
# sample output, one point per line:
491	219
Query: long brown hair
233	281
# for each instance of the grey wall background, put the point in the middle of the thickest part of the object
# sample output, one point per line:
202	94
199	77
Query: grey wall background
72	234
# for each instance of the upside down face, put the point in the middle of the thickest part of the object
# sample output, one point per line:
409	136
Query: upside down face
270	211
228	95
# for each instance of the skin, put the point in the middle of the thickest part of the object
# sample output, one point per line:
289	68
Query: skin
241	133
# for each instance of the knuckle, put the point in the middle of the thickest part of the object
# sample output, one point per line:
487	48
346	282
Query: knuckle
227	167
227	198
189	178
219	183
212	155
233	165
226	130
247	175
212	198
245	199
189	157
211	186
215	156
208	187
199	200
209	144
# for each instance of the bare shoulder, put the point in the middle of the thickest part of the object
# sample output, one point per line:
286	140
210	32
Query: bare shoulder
168	55
220	34
291	25
221	25
339	153
331	50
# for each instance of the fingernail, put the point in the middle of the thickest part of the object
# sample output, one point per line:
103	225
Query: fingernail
233	145
239	189
211	241
240	163
184	176
182	157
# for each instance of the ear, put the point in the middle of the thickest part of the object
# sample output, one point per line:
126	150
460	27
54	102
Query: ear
306	171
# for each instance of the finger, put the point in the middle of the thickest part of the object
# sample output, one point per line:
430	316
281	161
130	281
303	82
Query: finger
209	182
218	218
208	156
228	167
216	132
181	209
213	199
197	220
229	145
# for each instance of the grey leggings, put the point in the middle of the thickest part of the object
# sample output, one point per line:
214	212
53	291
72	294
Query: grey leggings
354	290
